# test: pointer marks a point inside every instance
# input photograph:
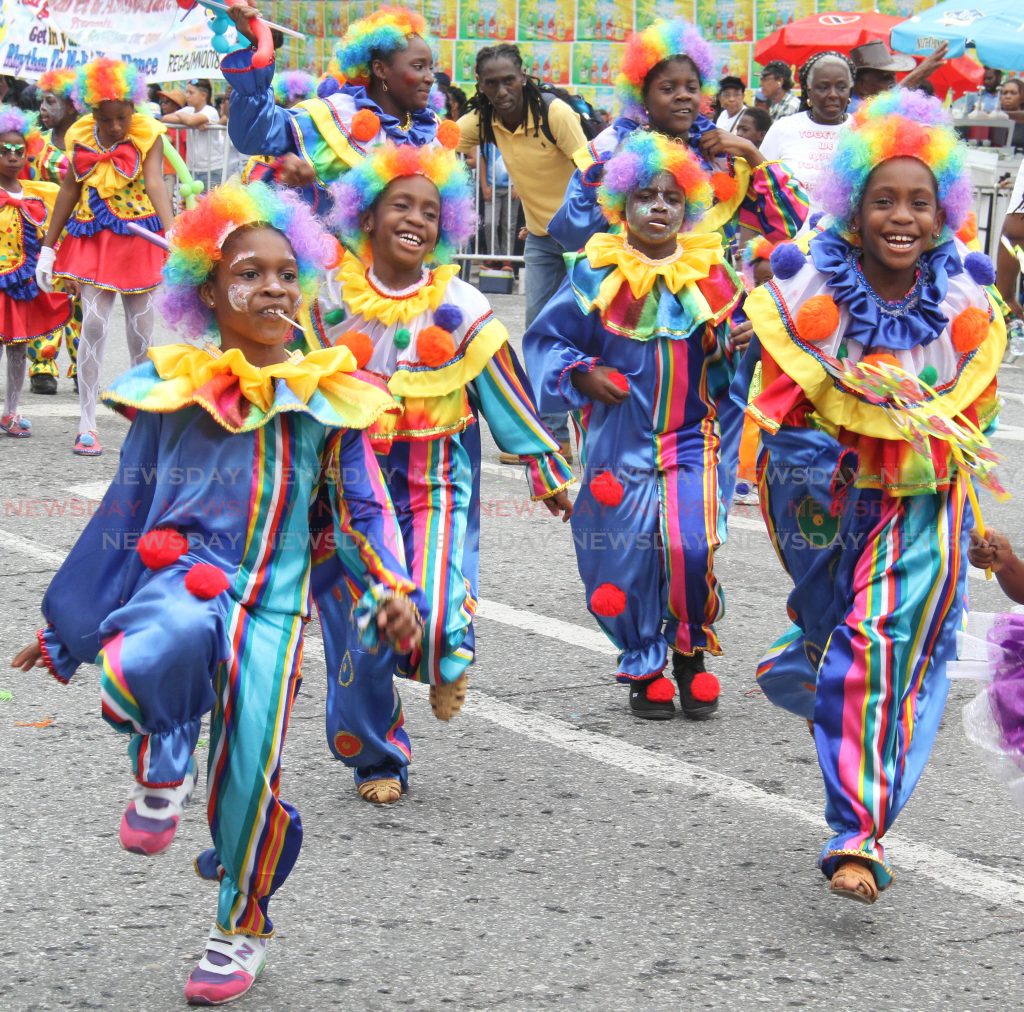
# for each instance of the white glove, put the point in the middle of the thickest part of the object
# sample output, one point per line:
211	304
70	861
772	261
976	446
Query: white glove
44	268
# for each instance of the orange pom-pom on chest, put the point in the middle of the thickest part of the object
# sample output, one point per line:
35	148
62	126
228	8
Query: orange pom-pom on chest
724	186
359	344
365	125
448	134
435	346
818	318
968	329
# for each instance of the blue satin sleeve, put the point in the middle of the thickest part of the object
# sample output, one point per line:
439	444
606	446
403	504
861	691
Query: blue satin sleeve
91	583
562	338
580	216
257	125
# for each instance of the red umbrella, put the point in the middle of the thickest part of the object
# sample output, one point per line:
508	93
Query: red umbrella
959	76
796	42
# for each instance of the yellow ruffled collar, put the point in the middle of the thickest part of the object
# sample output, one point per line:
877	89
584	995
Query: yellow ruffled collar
365	299
696	254
190	368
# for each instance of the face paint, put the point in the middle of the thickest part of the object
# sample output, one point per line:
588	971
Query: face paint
239	296
247	255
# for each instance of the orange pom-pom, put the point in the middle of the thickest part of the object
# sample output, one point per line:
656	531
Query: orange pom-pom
48	351
161	546
365	125
449	134
359	344
608	600
724	186
881	358
606	489
968	329
818	318
705	688
435	346
336	255
206	581
661	690
969	229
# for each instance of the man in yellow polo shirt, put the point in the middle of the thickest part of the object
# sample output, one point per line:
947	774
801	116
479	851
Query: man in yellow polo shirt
510	110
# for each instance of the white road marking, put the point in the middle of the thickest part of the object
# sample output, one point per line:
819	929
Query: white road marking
946	869
60	409
94	490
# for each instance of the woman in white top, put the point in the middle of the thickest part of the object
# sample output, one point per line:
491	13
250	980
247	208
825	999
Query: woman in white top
731	91
806	140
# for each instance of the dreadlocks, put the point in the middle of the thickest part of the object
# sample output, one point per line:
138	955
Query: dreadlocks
533	98
808	68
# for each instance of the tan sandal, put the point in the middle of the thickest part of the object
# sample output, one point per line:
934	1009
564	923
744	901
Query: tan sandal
446	700
380	792
853	879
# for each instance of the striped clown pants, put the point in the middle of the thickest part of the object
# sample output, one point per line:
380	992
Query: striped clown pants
877	599
170	657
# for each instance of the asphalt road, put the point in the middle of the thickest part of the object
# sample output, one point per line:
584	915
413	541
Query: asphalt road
553	851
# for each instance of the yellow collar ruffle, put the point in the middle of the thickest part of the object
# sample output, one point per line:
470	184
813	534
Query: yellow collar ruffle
698	253
143	133
364	299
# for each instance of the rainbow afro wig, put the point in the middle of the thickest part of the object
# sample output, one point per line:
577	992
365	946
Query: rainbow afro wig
106	80
199	235
294	86
644	155
376	37
896	124
16	121
61	83
359	189
645	50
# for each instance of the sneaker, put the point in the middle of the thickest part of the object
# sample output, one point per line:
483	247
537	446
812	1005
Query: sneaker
228	969
42	383
88	445
15	425
746	494
153	813
509	458
698	689
642	706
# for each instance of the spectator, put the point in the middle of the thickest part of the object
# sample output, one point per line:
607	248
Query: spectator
777	86
875	70
731	91
169	102
753	125
760	102
205	145
457	103
1011	103
806	140
1007	267
603	117
537	139
986	100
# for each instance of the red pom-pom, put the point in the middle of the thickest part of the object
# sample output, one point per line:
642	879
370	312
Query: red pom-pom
606	489
435	346
48	351
359	344
705	687
161	546
608	600
206	581
661	690
449	134
818	318
968	329
724	186
336	255
365	125
619	380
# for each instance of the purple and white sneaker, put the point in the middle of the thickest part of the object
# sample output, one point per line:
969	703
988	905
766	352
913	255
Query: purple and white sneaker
228	969
153	813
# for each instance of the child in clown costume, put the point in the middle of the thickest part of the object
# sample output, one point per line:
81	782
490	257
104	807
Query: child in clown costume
57	112
116	179
871	531
433	340
387	62
26	313
634	344
194	597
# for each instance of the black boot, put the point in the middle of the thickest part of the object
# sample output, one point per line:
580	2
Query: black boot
43	383
685	669
649	709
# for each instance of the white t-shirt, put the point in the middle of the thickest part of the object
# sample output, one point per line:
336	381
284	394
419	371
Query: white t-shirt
206	147
727	122
1017	197
805	146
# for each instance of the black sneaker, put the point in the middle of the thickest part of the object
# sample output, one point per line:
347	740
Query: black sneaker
43	383
74	379
690	675
648	709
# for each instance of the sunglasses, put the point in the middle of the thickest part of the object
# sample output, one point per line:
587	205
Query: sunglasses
13	149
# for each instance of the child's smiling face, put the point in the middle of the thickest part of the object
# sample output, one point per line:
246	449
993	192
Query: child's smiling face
899	216
654	216
255	281
403	226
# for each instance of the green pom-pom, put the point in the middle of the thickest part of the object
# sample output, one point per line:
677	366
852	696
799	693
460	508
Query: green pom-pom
333	317
929	374
402	337
843	352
